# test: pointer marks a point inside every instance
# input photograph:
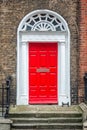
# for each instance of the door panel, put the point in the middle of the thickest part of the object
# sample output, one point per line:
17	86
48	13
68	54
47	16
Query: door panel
43	73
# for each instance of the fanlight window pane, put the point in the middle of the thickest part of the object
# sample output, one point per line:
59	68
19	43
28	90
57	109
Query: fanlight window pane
49	19
28	28
58	28
54	23
32	22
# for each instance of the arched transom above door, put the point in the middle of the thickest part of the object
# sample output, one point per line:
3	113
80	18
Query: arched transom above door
43	21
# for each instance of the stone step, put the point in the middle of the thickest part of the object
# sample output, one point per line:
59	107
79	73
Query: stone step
48	120
44	114
46	126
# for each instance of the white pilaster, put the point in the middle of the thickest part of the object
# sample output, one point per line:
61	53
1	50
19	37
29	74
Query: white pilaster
62	77
23	90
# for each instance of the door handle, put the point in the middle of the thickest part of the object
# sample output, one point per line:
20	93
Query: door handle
42	70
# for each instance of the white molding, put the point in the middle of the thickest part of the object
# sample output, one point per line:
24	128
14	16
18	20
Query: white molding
63	40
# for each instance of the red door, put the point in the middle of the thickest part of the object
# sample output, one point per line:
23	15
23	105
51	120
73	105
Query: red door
43	73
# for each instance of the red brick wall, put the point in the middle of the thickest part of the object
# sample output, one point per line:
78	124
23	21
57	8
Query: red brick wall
82	46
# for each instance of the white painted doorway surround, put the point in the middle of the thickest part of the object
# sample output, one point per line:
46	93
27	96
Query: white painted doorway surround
29	31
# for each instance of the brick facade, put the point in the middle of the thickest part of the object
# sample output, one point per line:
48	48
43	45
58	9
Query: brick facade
12	12
82	46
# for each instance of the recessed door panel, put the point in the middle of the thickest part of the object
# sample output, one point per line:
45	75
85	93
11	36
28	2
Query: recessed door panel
43	73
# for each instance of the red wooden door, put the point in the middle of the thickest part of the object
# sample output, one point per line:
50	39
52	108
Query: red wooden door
43	73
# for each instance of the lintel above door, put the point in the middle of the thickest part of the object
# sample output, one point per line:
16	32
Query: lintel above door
41	36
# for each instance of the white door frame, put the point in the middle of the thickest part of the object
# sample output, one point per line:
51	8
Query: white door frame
63	64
